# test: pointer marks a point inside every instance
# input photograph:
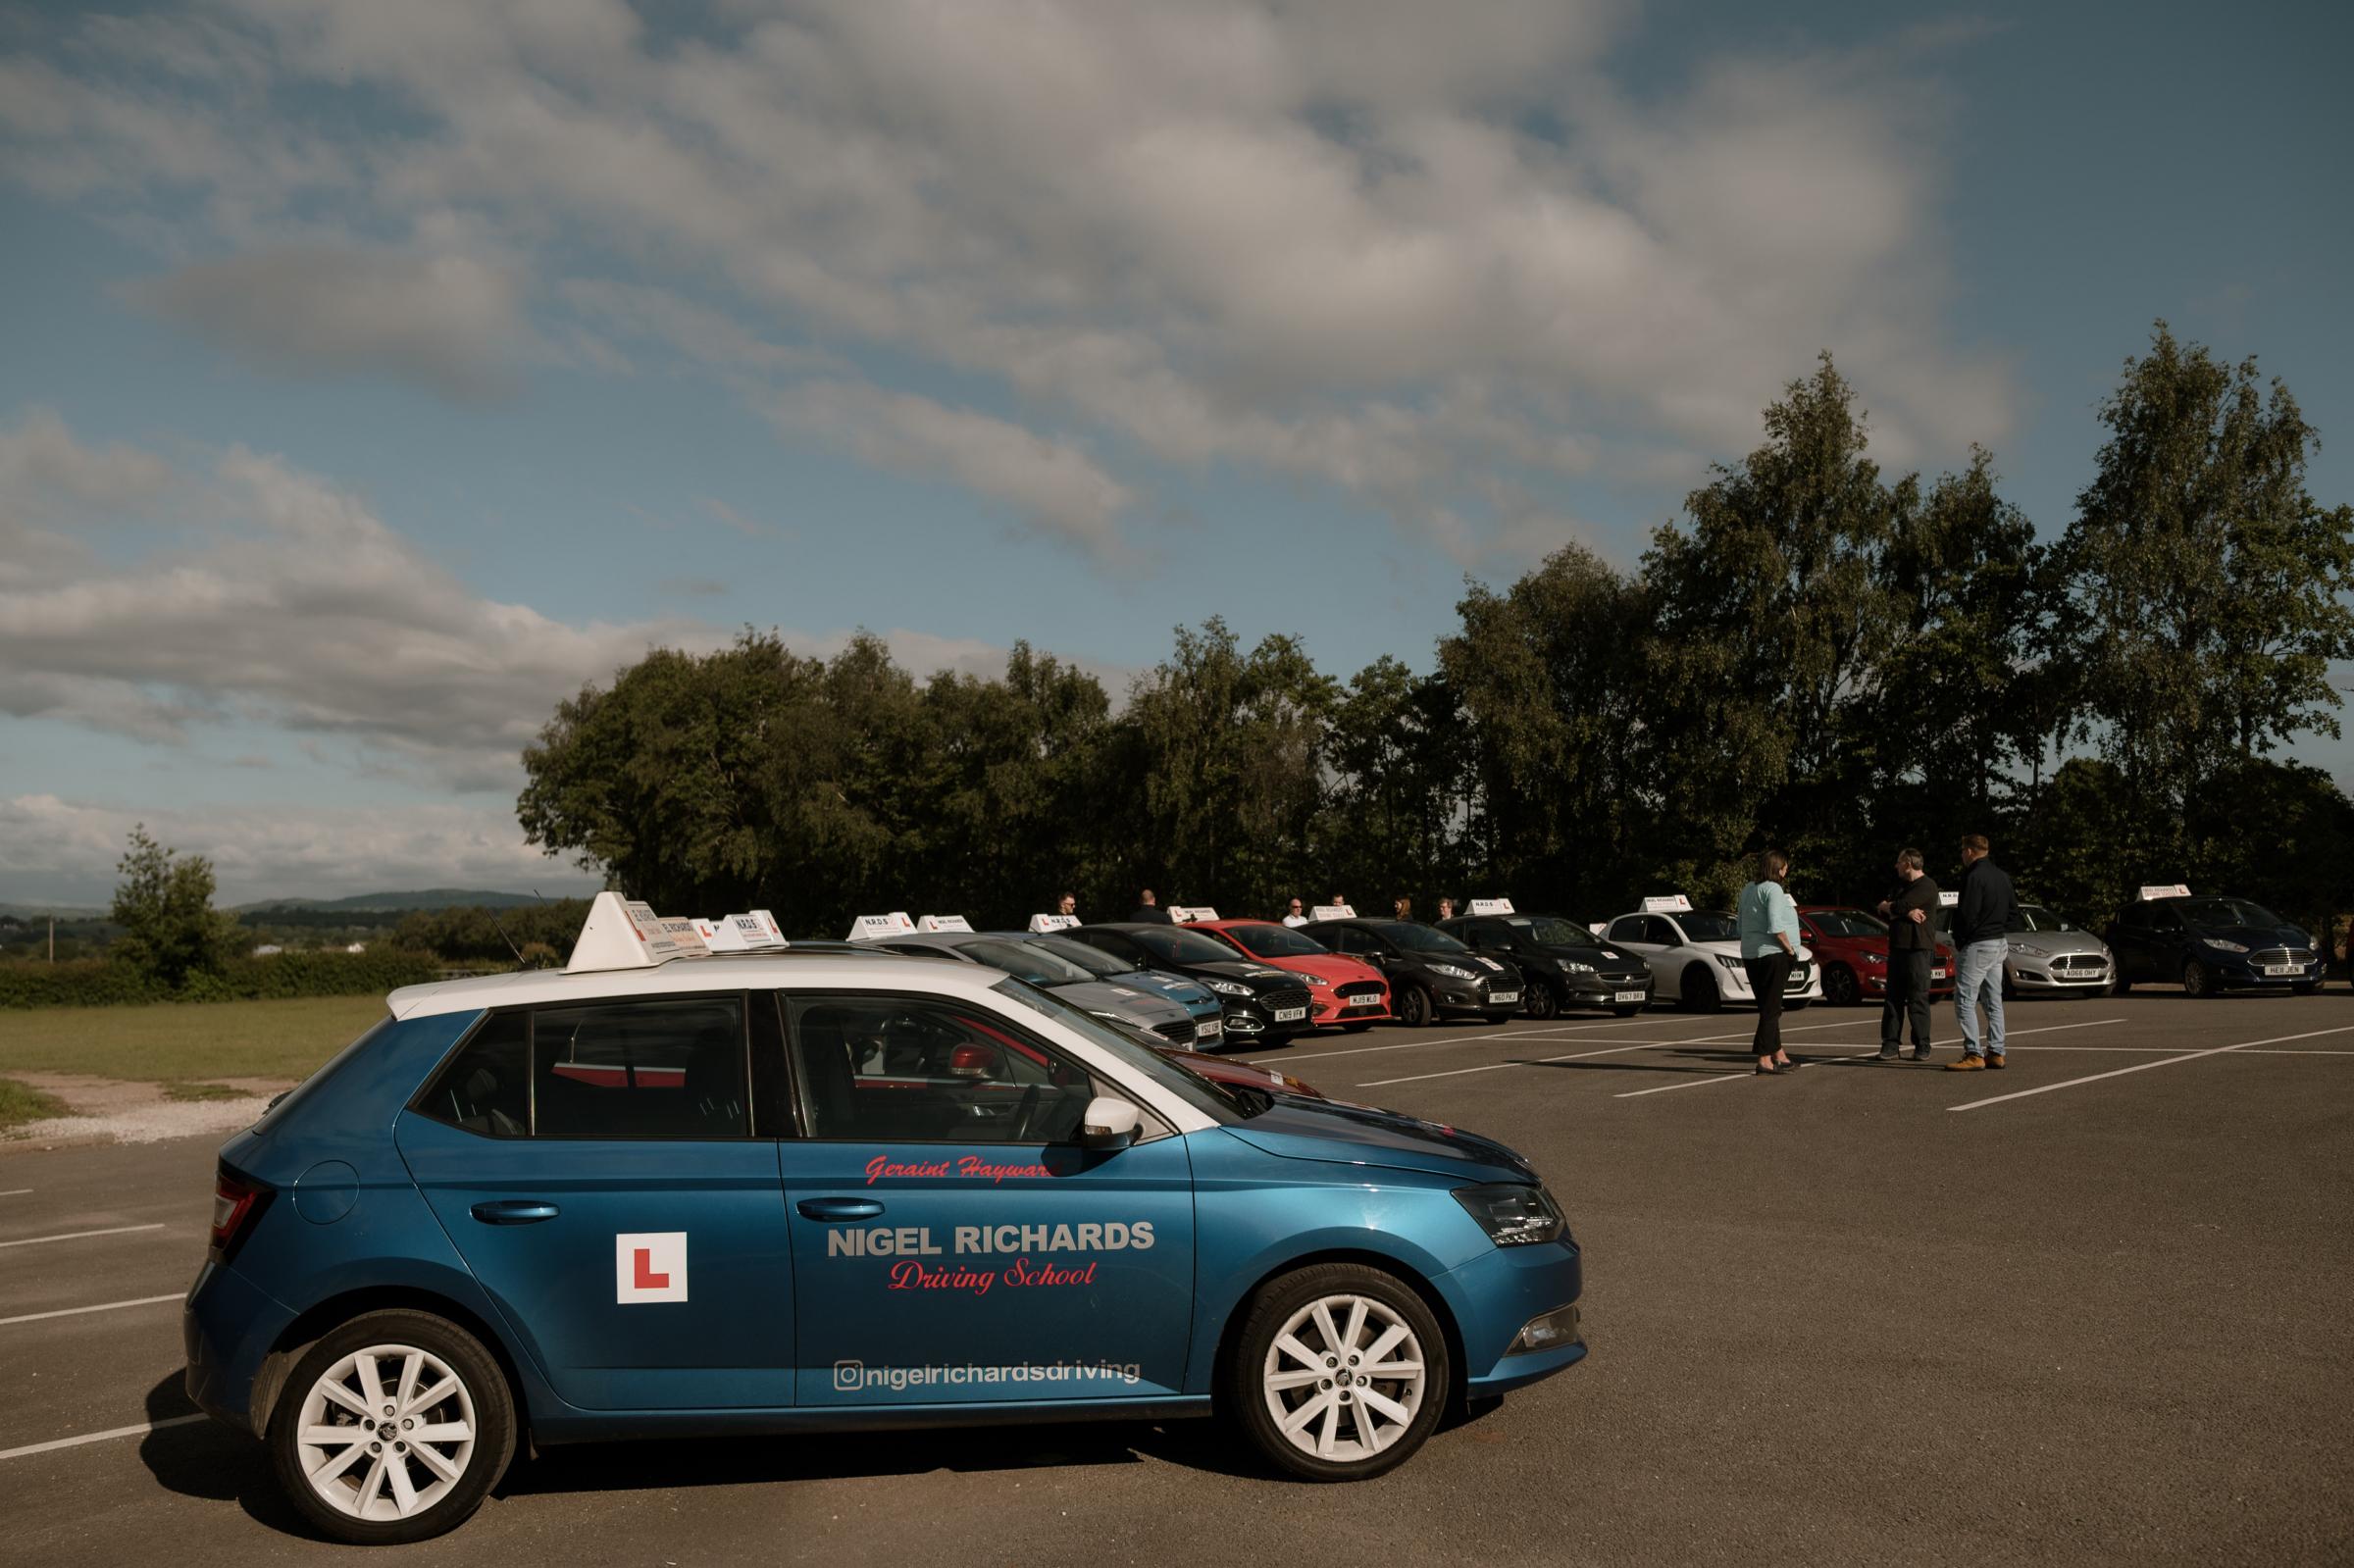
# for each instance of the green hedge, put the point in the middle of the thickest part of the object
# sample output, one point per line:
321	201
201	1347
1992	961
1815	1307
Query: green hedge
99	983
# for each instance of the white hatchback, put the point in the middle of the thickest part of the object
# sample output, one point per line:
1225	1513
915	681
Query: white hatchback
1694	959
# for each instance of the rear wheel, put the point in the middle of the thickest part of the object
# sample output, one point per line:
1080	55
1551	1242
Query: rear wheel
1540	1002
392	1429
1414	1010
1699	994
1340	1372
1839	987
2197	980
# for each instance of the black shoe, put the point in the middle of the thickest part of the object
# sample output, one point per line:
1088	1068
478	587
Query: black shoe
1769	1071
1919	1054
1887	1053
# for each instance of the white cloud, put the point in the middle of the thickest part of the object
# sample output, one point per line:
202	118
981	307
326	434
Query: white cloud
65	850
1384	246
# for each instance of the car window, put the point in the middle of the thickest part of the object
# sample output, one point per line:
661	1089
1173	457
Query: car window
2164	918
669	1067
2037	918
1025	962
1710	926
1846	923
906	1070
2229	912
1630	928
1275	941
1174	945
1662	931
1093	960
486	1088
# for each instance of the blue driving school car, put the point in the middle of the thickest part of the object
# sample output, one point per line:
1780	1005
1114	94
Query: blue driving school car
703	1184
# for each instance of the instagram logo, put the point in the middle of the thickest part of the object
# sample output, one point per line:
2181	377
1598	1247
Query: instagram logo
849	1375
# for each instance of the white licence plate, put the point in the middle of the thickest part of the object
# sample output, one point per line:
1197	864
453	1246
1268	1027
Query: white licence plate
1628	997
1936	974
1504	996
1215	1031
2285	969
1284	1015
1374	1000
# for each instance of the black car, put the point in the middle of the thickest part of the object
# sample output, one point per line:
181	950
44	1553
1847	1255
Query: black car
2212	944
1260	1003
1430	973
1562	963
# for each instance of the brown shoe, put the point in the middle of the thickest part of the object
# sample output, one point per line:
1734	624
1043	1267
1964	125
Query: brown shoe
1995	1060
1968	1063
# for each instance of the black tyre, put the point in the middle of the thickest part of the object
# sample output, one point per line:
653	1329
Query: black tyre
1839	987
1540	1001
1414	1009
392	1428
1338	1373
2120	984
2197	980
1699	994
2308	988
1797	1005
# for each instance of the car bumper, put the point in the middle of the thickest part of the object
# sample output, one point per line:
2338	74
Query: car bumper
1735	984
1330	1012
2036	975
2245	976
1603	991
1502	1293
1458	998
228	1329
1249	1020
1873	982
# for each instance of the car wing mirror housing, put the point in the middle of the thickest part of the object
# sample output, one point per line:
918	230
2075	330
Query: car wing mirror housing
1109	1122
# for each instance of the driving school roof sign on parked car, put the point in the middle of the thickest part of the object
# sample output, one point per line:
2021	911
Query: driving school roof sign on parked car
2169	891
1491	906
1669	904
873	928
1043	924
623	934
756	931
1335	912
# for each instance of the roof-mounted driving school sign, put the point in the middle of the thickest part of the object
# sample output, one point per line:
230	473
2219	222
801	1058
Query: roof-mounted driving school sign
756	931
1491	906
623	934
1188	914
1045	925
1948	898
1334	912
2172	890
873	928
1667	904
937	923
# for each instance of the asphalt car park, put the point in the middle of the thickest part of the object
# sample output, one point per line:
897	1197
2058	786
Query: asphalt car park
2088	1309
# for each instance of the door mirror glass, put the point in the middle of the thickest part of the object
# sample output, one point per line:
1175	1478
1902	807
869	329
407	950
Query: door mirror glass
1108	1123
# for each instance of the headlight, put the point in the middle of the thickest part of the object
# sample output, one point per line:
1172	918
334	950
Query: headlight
1228	987
1453	972
1738	965
2222	947
1513	1214
2031	949
1876	958
1570	965
1318	980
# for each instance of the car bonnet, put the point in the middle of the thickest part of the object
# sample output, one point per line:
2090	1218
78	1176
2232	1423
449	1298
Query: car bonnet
1342	1132
1137	1001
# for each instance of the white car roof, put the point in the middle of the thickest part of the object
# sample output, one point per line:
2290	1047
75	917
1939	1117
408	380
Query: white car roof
856	971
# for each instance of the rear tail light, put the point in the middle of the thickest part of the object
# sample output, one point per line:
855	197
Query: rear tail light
237	1201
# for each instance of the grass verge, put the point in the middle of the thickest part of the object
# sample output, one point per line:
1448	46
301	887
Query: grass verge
182	1042
19	1105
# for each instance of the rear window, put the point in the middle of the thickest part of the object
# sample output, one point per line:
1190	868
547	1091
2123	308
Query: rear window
667	1068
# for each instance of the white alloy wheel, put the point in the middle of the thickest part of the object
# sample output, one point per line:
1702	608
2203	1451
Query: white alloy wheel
1344	1379
387	1433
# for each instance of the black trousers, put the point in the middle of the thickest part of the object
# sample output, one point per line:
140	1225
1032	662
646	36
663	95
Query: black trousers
1767	977
1907	997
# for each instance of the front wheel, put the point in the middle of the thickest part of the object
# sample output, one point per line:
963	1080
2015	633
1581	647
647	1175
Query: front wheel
1414	1007
2120	984
392	1429
1839	987
2197	980
1699	994
1340	1372
1540	1002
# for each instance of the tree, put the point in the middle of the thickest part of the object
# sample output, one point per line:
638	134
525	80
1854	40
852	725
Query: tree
1393	814
2208	587
164	904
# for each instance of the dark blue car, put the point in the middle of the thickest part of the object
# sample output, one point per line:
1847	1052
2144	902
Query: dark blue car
2210	945
781	1192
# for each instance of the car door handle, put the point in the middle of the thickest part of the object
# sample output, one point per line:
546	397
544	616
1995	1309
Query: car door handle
838	1208
514	1211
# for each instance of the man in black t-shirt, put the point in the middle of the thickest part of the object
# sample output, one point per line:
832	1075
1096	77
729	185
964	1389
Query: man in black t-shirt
1909	909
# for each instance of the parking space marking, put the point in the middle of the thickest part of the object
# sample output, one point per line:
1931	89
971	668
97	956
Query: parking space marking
103	1306
2052	1029
1490	1067
1555	1030
101	1437
2143	1067
1697	1082
76	1235
16	1191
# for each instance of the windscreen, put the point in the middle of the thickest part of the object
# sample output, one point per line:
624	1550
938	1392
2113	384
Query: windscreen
1277	941
2226	912
2034	917
1095	960
1708	925
1025	962
1172	946
1552	931
1417	939
1848	923
1215	1100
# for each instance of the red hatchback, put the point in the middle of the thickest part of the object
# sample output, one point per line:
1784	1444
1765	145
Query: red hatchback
1850	947
1342	992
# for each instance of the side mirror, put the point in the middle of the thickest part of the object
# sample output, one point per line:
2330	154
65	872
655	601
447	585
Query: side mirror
1108	1123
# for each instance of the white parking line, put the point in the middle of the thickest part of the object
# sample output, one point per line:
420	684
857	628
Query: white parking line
2143	1067
16	1191
103	1306
100	1436
2048	1028
1490	1067
1697	1082
1836	1061
76	1235
1552	1031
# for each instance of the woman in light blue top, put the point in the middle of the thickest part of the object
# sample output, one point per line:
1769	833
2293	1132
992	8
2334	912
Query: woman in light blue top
1769	924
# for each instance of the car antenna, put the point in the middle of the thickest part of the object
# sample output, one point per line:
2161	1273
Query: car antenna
503	936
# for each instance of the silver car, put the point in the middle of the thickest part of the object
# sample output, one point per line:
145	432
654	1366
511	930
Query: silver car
2051	956
1166	1020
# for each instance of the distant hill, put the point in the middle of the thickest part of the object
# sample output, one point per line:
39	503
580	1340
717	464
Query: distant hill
385	904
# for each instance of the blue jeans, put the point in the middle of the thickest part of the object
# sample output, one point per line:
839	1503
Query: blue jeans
1979	981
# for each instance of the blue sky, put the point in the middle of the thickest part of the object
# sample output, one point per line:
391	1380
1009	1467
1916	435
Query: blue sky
374	376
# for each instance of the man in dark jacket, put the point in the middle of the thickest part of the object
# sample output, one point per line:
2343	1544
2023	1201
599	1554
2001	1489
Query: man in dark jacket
1909	909
1982	923
1148	909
